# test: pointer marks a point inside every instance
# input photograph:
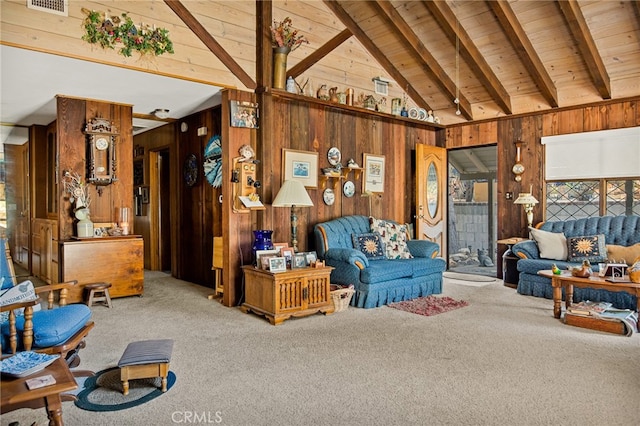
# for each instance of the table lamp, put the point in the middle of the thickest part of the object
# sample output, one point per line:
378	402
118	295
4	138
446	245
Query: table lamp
292	194
528	201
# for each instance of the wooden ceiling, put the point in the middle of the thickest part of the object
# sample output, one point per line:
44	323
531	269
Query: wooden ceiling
501	57
497	57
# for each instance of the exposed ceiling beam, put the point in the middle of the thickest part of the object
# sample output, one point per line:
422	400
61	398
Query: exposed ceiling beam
211	43
516	34
475	160
320	53
470	53
410	40
580	31
378	55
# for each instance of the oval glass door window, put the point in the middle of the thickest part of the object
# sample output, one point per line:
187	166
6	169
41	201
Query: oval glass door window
432	190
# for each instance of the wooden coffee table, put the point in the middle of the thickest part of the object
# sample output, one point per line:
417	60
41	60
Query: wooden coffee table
568	281
15	393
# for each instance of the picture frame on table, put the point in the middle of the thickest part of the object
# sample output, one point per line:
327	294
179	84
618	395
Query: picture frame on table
243	114
287	253
264	253
373	180
280	247
277	264
300	165
299	261
311	257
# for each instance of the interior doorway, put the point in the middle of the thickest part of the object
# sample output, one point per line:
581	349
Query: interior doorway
473	218
164	201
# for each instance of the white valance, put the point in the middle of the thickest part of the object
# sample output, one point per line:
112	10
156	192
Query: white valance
602	154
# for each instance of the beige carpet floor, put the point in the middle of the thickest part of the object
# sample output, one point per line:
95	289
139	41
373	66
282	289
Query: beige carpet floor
503	360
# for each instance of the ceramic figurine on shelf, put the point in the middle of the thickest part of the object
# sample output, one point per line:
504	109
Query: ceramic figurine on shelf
322	93
291	85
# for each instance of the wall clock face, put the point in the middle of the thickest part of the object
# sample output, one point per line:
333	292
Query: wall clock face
190	170
329	196
102	143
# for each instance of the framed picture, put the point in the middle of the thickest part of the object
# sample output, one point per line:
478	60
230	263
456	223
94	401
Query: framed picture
263	253
287	253
299	261
277	264
280	247
243	114
138	172
310	258
300	165
373	173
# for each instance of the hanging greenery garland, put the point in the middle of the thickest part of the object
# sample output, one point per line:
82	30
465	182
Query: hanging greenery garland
112	31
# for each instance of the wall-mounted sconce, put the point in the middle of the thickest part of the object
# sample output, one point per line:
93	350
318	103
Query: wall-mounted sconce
528	201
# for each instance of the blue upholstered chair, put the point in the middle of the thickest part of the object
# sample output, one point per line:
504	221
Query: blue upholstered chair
50	329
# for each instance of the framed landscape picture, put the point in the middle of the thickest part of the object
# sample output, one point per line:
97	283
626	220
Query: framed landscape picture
300	165
373	180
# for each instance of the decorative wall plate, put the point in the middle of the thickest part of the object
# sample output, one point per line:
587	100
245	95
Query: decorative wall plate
329	196
422	114
190	170
413	113
348	189
334	156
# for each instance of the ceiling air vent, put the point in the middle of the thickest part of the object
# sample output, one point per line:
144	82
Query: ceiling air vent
59	7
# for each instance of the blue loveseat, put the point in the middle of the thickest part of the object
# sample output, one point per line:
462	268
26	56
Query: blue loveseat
377	282
618	230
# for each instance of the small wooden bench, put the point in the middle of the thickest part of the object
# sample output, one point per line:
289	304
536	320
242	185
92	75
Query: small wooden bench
145	359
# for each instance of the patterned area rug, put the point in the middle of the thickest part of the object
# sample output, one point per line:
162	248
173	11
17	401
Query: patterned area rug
103	392
430	305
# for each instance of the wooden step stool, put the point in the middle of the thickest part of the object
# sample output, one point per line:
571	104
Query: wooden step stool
98	293
144	360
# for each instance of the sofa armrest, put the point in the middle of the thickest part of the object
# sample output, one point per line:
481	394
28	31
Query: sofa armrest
423	248
348	255
526	250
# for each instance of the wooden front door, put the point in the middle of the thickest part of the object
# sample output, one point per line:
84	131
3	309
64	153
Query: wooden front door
431	195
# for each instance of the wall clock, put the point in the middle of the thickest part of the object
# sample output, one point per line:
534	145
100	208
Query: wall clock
190	170
329	196
102	164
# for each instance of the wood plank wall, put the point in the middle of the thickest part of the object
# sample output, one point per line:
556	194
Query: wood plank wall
73	114
311	125
530	128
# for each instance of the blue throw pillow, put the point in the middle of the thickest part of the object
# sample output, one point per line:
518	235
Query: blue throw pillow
370	244
591	248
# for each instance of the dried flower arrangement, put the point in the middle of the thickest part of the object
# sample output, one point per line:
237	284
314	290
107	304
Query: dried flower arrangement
283	35
77	189
110	31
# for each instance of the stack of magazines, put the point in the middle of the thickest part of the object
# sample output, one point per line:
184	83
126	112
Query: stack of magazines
605	311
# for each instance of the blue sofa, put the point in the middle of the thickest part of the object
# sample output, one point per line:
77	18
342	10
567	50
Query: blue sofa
380	281
618	230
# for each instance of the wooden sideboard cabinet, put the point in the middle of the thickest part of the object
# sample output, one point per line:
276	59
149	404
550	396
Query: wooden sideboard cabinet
282	295
115	260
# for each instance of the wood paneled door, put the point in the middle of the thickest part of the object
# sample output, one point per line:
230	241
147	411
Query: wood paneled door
431	195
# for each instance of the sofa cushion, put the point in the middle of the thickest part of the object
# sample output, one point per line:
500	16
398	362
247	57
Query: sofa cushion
52	327
370	244
591	248
552	245
385	270
616	253
394	237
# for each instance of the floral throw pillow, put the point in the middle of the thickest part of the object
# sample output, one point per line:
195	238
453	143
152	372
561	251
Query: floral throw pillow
394	238
370	244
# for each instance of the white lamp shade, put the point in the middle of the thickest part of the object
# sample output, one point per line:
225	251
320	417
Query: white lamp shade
525	198
292	193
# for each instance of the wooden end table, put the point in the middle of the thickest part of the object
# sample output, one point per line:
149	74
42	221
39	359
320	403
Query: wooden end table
15	393
282	295
568	281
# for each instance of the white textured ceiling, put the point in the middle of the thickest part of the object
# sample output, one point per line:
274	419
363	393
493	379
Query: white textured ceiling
30	81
